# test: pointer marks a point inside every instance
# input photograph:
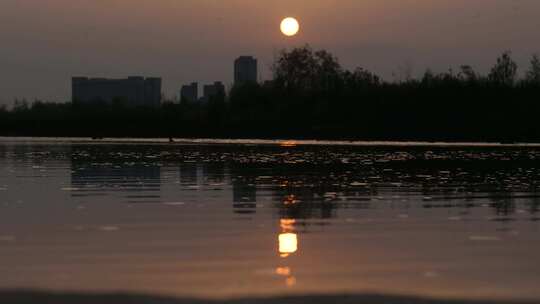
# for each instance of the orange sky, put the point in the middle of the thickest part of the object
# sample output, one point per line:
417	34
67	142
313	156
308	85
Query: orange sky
44	43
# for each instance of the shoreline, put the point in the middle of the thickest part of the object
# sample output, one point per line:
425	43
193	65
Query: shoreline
36	296
262	142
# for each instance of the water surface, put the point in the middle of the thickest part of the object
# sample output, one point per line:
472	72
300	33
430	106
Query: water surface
217	221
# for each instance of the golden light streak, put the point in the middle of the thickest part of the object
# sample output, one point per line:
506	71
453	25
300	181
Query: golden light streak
288	244
288	144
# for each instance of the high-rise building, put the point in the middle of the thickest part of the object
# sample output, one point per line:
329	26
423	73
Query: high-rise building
213	90
133	91
189	93
245	70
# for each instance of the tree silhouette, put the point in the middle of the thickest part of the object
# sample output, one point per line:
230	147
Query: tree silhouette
504	71
360	78
533	74
304	69
468	74
313	96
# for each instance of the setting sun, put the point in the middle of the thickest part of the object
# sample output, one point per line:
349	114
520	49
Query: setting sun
290	26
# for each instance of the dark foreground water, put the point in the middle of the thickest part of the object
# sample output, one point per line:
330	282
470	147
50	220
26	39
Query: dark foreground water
268	220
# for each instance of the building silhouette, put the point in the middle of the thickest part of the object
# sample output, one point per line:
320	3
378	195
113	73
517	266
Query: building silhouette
215	90
189	93
132	91
245	70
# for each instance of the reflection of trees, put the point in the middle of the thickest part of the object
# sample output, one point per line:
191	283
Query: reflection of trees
213	172
35	154
244	189
307	184
3	152
188	173
95	170
304	199
503	205
534	203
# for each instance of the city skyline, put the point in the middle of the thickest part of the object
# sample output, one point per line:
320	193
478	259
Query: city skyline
141	91
134	90
49	42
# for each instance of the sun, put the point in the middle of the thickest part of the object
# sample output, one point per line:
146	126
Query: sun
290	26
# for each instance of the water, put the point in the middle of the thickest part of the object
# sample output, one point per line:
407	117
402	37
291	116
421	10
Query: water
217	221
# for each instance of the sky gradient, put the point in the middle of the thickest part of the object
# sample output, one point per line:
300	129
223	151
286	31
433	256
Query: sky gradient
44	43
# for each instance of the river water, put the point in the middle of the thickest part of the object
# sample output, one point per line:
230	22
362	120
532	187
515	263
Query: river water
230	220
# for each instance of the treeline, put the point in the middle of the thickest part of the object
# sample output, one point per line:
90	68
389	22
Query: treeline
313	96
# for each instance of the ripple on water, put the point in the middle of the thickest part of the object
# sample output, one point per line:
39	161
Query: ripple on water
335	205
174	203
484	238
7	238
109	228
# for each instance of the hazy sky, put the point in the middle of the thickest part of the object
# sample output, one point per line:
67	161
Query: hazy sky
43	43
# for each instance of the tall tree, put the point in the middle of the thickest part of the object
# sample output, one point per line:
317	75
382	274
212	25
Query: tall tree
533	74
303	69
505	70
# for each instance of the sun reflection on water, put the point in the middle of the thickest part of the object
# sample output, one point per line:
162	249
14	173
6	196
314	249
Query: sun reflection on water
288	245
288	143
290	200
288	240
283	271
287	225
